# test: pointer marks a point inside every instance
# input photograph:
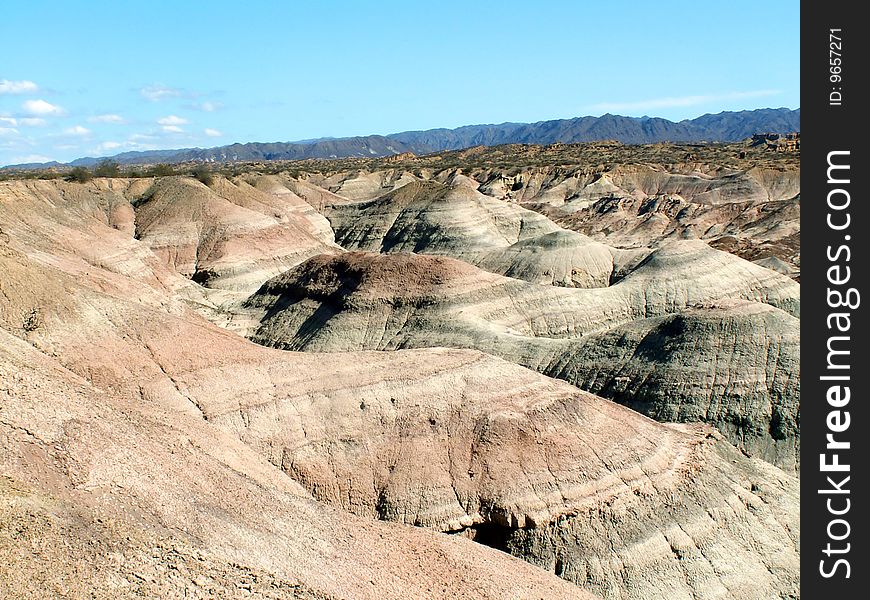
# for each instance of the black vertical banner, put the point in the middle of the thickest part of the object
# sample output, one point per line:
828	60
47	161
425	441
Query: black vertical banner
835	236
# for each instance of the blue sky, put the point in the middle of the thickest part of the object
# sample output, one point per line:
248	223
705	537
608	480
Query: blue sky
99	78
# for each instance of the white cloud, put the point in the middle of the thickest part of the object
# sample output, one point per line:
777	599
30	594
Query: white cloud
212	132
106	119
109	146
172	120
680	101
158	92
41	107
30	158
206	106
170	124
8	131
17	87
137	141
25	121
77	130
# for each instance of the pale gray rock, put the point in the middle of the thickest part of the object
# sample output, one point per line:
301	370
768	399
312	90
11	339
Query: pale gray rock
733	364
230	236
456	220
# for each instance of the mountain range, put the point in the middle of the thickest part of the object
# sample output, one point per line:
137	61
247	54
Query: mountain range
720	127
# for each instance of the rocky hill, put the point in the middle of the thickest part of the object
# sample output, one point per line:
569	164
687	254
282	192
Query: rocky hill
630	341
739	198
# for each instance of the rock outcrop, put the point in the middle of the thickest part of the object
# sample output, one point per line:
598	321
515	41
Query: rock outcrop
733	364
119	498
456	220
230	236
627	197
760	230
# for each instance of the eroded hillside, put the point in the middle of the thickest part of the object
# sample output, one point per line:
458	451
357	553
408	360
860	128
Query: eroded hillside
419	410
739	198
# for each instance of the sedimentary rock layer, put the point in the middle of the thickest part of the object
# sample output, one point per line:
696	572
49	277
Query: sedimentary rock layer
668	343
207	444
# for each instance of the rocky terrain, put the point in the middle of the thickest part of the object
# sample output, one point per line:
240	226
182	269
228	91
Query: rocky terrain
422	407
737	197
676	347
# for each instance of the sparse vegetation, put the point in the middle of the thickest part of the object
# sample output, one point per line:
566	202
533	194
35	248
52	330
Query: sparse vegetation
203	174
7	175
79	175
32	320
161	170
512	158
107	168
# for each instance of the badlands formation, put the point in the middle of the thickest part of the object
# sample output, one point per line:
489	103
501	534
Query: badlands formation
456	382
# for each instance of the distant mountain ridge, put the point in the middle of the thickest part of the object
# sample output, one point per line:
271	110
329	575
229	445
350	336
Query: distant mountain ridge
720	127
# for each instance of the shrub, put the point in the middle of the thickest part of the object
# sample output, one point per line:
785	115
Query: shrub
107	168
32	320
203	174
79	175
161	170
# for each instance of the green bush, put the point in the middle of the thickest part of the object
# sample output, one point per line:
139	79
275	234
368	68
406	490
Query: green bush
79	175
161	170
203	174
107	168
